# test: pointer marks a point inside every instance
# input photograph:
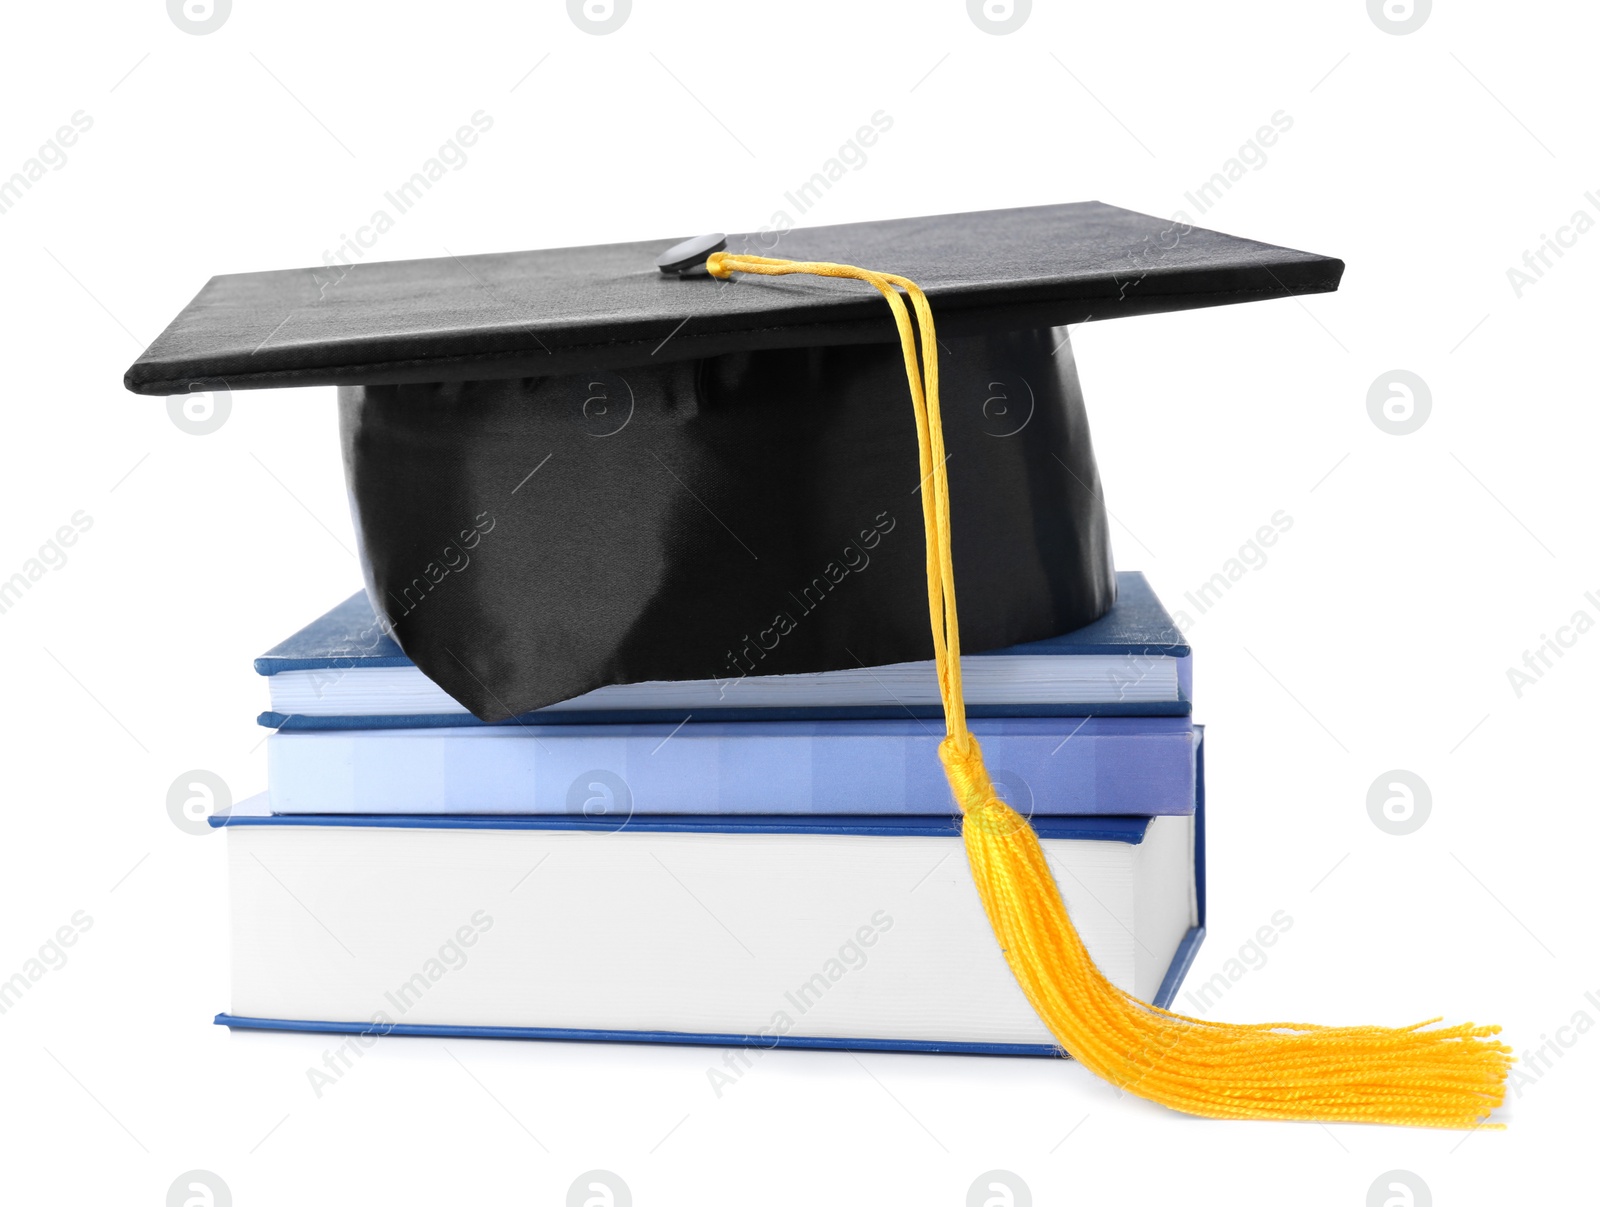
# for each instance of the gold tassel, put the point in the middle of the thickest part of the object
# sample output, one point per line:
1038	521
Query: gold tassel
1422	1076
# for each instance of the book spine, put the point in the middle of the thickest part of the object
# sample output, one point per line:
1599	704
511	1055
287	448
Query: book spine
1079	766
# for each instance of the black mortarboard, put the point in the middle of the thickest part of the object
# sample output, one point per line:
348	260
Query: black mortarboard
571	468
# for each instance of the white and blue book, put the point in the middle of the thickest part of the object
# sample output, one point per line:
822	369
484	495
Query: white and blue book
744	933
343	671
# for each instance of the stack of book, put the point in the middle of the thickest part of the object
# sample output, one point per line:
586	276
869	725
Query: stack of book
761	861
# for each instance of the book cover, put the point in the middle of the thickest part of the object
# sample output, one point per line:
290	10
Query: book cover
343	671
1041	765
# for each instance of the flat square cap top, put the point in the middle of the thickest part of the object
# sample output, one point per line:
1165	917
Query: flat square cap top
565	310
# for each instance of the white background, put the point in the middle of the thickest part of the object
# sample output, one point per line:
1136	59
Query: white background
1377	636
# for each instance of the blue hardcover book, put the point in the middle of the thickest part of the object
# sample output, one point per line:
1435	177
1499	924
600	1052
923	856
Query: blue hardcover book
1044	766
856	933
343	672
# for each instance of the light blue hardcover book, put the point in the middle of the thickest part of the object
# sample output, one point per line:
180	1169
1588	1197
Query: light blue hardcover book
1043	766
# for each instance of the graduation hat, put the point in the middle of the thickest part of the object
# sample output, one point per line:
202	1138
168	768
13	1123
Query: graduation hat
659	475
691	460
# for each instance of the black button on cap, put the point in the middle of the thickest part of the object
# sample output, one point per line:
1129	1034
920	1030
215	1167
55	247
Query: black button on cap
690	253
